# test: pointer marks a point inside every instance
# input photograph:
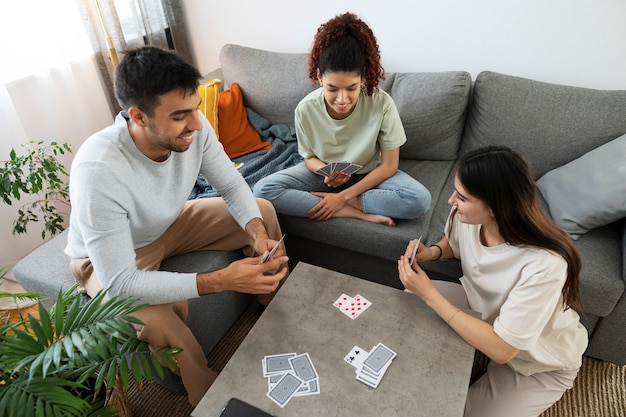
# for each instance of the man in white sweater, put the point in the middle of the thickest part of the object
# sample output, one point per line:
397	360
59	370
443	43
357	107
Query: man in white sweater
129	186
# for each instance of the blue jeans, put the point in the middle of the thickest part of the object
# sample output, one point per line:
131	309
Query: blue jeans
289	190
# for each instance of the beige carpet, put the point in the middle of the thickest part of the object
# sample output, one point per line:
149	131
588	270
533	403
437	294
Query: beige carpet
599	390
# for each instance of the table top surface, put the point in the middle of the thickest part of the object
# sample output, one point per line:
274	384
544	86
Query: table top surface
428	377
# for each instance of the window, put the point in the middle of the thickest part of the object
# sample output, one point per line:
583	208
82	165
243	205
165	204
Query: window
39	34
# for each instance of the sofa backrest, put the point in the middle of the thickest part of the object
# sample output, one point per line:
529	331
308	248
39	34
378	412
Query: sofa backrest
432	106
549	124
272	83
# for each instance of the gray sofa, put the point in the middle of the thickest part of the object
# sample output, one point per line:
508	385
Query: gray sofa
445	114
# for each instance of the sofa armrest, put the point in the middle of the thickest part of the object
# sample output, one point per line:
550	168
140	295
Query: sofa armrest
46	270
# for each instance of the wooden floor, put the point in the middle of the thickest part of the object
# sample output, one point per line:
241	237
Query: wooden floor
14	315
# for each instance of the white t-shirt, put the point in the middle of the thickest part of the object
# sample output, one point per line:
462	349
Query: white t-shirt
517	289
374	124
123	200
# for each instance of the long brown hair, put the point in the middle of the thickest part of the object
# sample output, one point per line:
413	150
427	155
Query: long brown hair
346	44
503	180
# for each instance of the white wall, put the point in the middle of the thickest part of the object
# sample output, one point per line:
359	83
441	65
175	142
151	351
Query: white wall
574	42
63	104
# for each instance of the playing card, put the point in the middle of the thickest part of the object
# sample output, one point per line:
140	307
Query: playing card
303	367
274	379
378	357
356	356
352	307
308	388
269	254
325	170
273	364
285	389
412	258
351	169
341	166
343	300
365	370
372	382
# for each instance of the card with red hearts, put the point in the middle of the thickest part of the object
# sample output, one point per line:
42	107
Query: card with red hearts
352	307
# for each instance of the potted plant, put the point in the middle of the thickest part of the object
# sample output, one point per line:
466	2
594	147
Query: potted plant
71	358
38	172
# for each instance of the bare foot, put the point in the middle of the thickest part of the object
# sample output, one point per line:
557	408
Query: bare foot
351	212
378	218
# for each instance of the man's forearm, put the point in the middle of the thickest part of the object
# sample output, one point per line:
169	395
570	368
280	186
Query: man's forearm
210	282
256	229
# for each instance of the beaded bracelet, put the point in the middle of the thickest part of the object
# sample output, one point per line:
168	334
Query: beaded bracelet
440	252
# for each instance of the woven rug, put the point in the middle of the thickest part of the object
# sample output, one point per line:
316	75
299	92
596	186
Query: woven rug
599	389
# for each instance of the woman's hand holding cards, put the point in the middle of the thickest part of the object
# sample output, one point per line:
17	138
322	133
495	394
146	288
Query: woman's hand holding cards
336	179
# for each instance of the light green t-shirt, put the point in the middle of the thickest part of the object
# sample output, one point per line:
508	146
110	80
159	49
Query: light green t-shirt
373	125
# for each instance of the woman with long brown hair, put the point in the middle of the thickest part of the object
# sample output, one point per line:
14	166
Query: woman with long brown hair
520	274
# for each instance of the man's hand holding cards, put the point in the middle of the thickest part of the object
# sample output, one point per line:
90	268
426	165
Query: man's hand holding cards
269	254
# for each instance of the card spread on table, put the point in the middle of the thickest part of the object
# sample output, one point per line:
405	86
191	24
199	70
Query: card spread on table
343	166
352	307
370	366
289	375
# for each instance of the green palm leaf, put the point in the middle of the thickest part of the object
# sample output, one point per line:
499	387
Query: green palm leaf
54	364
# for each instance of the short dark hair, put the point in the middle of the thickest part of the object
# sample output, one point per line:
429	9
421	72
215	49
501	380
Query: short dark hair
148	72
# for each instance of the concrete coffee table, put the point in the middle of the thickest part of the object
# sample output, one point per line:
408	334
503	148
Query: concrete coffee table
428	377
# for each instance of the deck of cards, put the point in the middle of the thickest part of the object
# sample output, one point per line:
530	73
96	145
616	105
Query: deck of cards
352	307
370	366
290	375
346	167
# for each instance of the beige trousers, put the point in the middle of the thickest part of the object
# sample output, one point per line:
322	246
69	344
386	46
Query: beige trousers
503	392
203	224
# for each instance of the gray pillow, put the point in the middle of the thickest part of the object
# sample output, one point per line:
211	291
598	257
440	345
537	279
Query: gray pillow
590	191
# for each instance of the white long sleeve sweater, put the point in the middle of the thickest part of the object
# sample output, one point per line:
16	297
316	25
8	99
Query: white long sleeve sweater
122	200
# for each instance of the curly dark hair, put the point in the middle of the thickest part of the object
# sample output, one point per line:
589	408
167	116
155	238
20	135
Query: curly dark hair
346	44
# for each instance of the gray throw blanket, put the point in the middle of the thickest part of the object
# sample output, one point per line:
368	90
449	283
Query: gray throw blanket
256	165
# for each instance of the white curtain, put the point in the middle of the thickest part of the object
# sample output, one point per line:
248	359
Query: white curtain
121	25
50	90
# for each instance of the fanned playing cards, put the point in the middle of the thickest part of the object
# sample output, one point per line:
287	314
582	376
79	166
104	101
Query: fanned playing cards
343	166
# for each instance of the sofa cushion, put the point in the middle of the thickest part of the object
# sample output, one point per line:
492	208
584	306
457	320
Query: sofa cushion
432	107
237	135
550	124
209	95
590	191
273	83
601	281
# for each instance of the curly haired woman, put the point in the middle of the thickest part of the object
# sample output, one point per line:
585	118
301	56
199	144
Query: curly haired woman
347	119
